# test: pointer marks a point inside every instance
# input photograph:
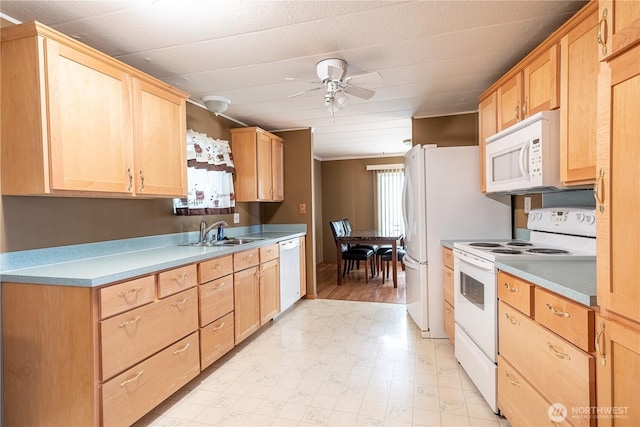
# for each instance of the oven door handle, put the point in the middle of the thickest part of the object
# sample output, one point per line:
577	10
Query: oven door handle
467	258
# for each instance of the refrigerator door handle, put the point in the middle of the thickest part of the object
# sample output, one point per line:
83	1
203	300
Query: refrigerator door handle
410	262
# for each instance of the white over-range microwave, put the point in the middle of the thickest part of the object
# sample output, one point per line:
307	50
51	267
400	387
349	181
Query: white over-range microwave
526	156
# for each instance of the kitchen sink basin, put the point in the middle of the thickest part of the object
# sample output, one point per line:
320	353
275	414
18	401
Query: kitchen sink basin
234	241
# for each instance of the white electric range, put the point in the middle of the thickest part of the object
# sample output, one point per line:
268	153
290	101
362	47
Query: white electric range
556	233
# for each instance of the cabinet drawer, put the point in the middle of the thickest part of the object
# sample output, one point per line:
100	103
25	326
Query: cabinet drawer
447	258
130	337
519	402
516	292
572	321
177	280
268	253
216	299
449	322
215	268
447	275
532	350
216	339
127	295
129	396
245	259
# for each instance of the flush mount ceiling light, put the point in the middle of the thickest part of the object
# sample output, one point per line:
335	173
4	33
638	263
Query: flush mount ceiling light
216	104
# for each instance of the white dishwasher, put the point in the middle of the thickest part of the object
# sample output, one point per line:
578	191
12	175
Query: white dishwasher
289	273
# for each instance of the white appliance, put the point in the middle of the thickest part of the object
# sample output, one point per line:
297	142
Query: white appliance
289	273
442	200
526	156
475	283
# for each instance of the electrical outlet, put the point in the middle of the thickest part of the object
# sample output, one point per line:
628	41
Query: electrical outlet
527	204
302	208
236	218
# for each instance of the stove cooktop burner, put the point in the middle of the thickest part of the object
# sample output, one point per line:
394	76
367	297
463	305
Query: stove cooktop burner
507	251
485	245
519	244
548	251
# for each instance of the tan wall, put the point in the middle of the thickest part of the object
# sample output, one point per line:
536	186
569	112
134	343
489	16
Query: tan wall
348	191
298	190
459	129
517	205
39	222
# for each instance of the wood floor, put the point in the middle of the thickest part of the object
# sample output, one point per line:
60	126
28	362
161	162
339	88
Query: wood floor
354	287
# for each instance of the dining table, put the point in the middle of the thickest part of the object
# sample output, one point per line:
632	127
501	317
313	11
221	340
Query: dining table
373	237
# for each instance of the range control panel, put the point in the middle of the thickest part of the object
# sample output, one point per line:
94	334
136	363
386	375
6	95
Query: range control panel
579	221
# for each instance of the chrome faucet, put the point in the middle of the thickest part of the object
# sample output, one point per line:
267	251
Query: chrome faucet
204	230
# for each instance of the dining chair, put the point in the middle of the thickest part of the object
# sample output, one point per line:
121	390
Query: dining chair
351	254
347	229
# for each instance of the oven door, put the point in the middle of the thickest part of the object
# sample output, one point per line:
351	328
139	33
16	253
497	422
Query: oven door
475	297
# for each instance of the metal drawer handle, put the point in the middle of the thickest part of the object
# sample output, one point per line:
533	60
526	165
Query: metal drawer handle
511	319
125	382
511	289
180	278
558	353
221	285
511	379
217	266
141	181
219	326
601	40
182	349
129	322
598	188
182	301
558	313
130	179
603	358
129	291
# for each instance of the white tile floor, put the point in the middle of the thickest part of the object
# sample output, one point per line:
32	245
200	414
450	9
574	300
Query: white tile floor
332	363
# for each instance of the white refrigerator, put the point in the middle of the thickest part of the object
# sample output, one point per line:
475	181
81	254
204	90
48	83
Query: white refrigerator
442	201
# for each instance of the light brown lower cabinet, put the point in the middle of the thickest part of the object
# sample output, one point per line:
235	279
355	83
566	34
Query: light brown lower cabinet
546	370
519	402
617	373
216	339
449	304
130	395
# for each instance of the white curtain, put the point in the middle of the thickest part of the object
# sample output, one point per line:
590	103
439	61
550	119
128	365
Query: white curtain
389	200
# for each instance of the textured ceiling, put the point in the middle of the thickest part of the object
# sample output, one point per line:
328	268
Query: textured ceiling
435	57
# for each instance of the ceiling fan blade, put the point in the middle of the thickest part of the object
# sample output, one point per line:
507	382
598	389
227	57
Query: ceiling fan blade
306	91
360	92
365	77
293	79
335	73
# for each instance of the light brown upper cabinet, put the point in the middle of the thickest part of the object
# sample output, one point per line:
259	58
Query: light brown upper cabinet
488	123
578	96
77	122
617	195
618	27
259	160
535	88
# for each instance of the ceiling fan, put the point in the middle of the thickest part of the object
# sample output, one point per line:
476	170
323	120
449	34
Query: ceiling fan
331	73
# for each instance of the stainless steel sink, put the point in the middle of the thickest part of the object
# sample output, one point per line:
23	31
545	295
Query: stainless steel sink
234	241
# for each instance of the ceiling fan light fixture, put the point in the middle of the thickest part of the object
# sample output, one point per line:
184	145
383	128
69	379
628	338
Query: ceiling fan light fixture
340	99
216	104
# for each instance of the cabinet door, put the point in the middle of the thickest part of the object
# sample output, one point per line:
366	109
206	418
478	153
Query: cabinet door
89	122
263	160
160	141
269	290
246	294
619	26
277	169
541	84
488	123
617	374
509	98
578	97
618	198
